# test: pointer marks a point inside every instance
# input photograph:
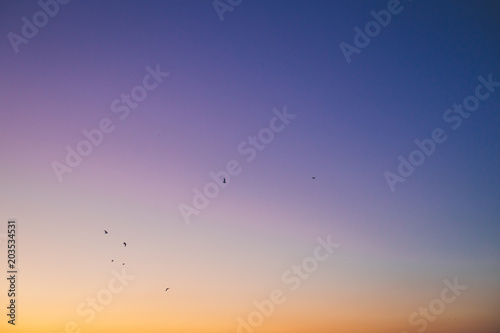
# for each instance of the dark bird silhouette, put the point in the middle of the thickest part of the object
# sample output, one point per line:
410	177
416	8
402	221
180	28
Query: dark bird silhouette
106	232
123	264
124	244
224	181
112	260
314	177
167	289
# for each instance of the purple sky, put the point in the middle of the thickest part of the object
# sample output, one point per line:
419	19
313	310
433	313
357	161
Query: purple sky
352	121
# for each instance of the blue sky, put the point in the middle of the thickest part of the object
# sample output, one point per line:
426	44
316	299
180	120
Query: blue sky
352	121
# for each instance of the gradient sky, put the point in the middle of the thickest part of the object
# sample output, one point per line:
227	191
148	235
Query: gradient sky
352	122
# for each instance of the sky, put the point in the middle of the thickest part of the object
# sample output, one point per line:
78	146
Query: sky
360	163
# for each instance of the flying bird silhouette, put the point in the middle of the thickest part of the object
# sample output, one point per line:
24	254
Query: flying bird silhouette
314	177
224	181
167	289
124	244
105	231
112	260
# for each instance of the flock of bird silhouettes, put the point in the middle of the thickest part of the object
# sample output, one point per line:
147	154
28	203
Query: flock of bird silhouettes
124	245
